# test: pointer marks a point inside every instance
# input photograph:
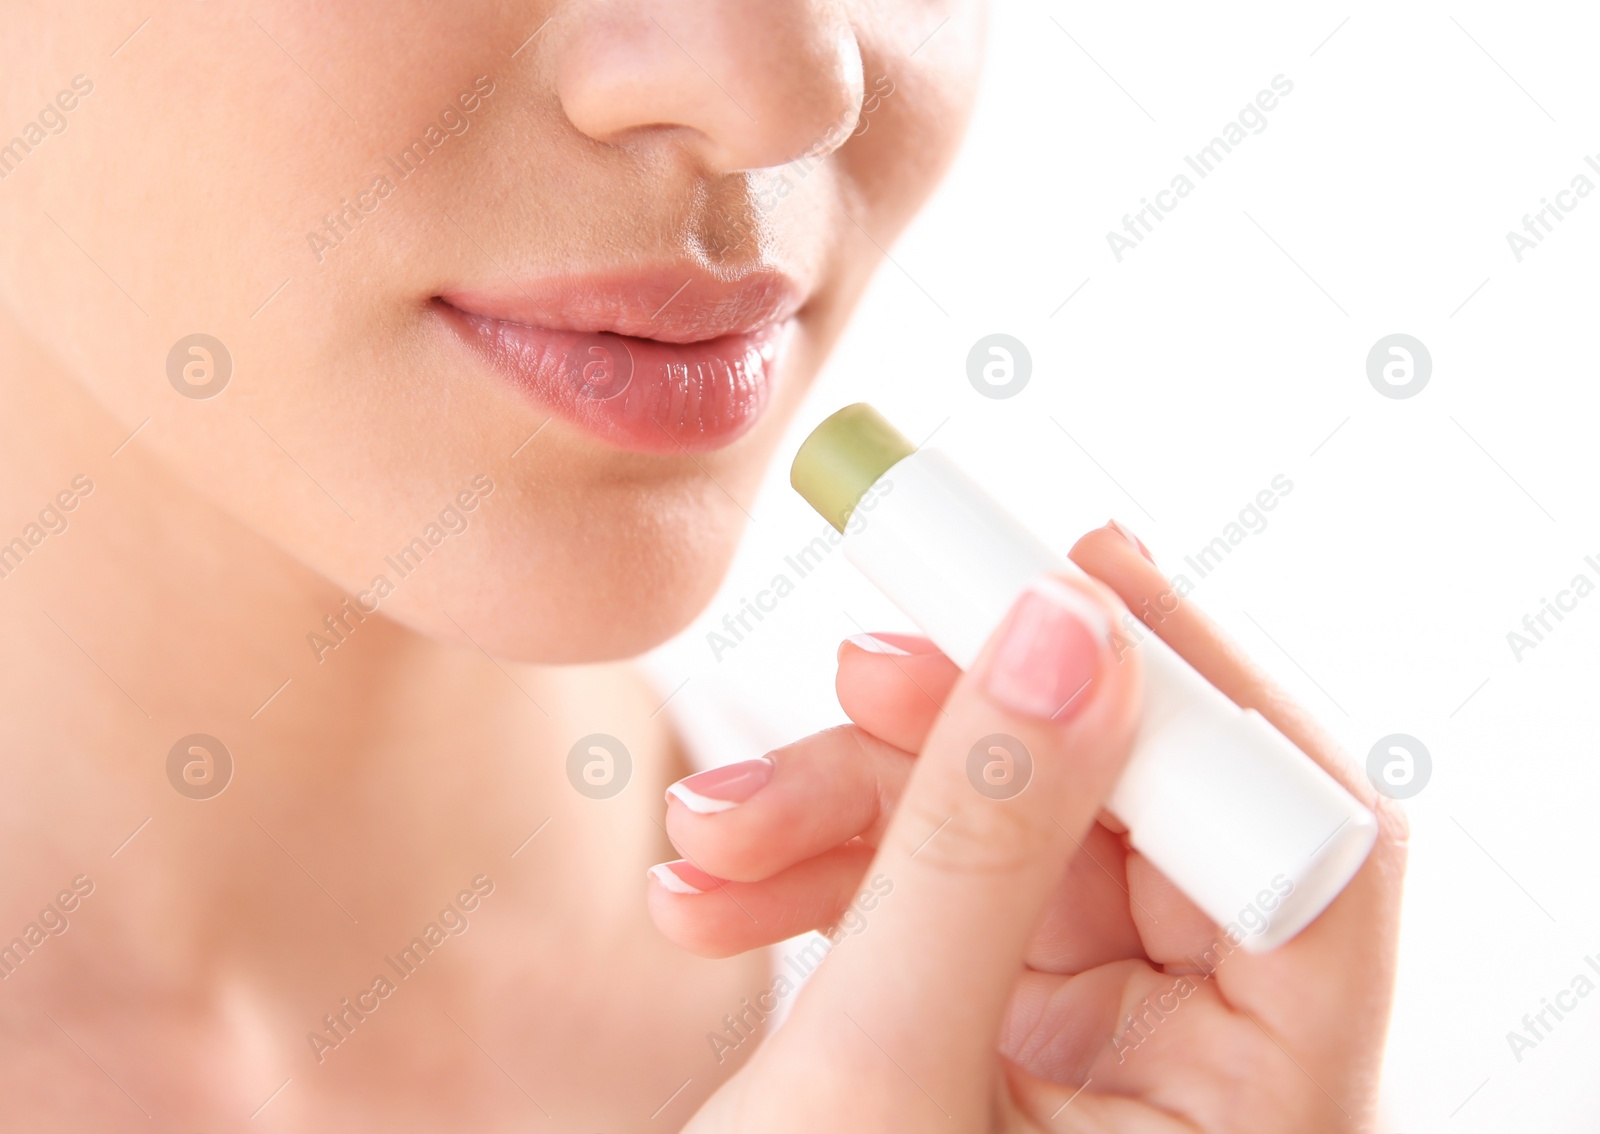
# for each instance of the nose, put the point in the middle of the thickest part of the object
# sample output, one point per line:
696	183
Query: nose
741	84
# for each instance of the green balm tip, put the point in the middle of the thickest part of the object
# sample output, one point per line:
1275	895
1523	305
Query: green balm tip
843	457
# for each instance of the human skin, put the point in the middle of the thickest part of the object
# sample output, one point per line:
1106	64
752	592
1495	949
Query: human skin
374	781
991	977
381	779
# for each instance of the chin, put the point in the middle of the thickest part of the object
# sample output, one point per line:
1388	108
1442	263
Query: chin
606	582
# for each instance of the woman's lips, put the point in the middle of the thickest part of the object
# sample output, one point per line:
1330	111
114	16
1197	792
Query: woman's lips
699	381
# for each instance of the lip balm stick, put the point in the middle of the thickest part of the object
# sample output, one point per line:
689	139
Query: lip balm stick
1243	822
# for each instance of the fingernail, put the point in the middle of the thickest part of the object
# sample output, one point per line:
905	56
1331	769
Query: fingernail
1048	652
1138	544
875	645
724	788
681	877
895	645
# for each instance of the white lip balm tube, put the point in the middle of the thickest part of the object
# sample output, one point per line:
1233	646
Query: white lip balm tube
1244	823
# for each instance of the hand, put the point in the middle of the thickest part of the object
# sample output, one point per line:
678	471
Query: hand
1008	964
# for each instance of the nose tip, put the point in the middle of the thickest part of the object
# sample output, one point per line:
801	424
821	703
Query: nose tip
740	85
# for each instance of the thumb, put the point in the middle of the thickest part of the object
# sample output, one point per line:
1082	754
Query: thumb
1029	745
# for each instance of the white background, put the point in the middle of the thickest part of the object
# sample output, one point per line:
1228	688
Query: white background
1225	350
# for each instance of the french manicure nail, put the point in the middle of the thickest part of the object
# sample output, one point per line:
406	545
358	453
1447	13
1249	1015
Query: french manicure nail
724	788
1048	652
876	645
1138	544
682	877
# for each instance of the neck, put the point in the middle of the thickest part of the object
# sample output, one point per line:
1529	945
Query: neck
387	771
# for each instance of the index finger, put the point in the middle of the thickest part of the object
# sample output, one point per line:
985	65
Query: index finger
1113	559
1342	965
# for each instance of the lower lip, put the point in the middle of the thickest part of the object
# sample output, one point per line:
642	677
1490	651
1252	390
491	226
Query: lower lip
638	394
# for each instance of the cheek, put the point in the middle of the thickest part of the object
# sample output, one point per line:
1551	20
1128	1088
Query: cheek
345	424
341	425
916	108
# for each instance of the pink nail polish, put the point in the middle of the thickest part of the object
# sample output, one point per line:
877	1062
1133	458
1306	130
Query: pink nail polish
1048	652
724	788
1213	803
682	877
1138	544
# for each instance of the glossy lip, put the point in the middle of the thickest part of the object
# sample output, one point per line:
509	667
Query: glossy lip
659	362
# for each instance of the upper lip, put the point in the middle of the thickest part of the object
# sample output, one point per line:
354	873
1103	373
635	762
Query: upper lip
672	305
